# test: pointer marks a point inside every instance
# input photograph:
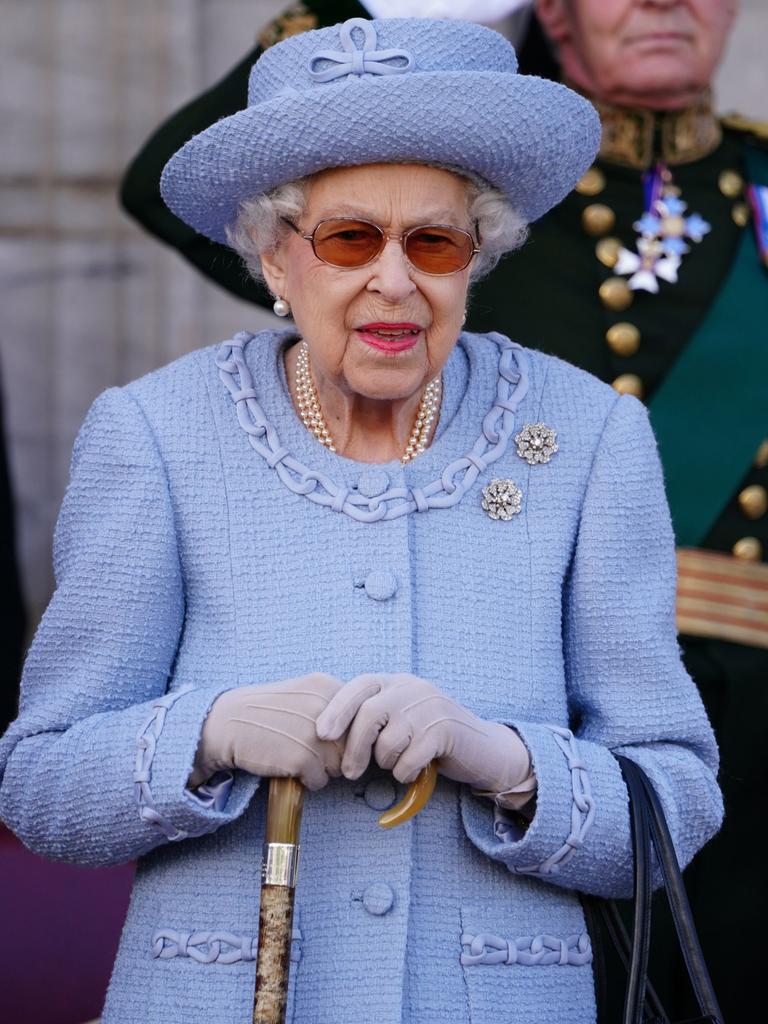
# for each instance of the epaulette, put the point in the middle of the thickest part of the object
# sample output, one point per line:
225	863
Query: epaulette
745	125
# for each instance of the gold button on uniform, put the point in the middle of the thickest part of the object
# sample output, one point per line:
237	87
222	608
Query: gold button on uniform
623	339
629	384
591	183
607	251
753	501
740	214
730	183
616	294
761	456
748	549
598	219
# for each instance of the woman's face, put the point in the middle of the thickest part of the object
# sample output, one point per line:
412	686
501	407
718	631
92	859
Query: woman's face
648	53
343	314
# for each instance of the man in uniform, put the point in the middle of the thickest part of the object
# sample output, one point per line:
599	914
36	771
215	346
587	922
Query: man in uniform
656	276
653	275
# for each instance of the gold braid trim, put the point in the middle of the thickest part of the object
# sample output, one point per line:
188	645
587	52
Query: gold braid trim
748	125
722	597
297	18
635	137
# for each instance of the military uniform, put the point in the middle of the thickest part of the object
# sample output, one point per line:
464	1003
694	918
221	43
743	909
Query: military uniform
634	340
562	293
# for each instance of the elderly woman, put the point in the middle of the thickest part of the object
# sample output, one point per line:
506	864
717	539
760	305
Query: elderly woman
354	546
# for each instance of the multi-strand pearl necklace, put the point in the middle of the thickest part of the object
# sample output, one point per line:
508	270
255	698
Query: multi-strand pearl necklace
311	414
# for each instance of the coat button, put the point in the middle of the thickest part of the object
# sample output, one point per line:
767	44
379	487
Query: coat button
740	214
380	585
591	183
761	456
730	183
607	251
379	794
748	549
378	898
629	384
623	338
598	219
615	294
753	501
373	482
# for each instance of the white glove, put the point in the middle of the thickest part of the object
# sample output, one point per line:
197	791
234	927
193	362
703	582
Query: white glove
406	722
270	730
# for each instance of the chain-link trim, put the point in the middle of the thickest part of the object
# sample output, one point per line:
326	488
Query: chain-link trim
146	743
582	807
454	482
536	951
213	947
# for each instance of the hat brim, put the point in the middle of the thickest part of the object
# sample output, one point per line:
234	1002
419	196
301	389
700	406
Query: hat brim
530	137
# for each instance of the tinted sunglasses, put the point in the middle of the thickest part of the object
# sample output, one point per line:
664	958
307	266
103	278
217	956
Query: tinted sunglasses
435	249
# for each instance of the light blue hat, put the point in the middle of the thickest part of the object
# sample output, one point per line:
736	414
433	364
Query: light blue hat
391	90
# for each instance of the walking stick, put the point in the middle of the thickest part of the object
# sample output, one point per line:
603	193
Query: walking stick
278	876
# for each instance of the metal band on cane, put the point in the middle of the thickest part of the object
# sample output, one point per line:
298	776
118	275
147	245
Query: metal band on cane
280	864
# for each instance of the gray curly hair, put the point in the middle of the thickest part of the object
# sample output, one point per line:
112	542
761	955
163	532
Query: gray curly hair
260	224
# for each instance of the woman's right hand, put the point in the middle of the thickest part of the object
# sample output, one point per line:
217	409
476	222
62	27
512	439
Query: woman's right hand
270	730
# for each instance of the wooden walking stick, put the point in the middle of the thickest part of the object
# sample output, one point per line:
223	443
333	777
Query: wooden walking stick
278	876
278	882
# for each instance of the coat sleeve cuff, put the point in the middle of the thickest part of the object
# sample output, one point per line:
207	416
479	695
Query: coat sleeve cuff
564	809
215	792
165	750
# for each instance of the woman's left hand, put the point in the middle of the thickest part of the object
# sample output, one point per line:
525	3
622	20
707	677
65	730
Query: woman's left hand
405	722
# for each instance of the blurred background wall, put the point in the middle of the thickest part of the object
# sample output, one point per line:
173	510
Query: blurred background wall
87	300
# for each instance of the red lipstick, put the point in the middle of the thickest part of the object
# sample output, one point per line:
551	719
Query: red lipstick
390	337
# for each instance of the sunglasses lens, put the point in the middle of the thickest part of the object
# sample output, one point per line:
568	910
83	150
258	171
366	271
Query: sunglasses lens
435	249
347	243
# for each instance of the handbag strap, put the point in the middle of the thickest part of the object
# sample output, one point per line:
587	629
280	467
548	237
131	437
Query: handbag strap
614	925
637	974
652	822
679	904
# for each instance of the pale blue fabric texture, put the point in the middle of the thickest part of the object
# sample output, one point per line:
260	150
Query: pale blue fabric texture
393	90
185	565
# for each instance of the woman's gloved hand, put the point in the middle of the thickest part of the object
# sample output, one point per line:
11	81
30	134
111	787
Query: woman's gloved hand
270	730
405	722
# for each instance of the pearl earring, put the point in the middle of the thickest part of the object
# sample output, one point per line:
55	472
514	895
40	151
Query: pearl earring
281	307
464	319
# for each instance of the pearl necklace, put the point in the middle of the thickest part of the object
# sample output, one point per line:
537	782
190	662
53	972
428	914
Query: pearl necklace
311	414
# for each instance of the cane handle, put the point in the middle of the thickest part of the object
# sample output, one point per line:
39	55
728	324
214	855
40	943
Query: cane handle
415	799
284	806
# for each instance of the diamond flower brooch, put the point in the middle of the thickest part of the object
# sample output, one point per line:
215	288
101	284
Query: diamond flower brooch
536	443
502	499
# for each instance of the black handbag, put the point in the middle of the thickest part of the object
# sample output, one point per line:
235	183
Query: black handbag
650	832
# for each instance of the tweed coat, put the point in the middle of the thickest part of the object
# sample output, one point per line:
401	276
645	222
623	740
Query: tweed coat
207	540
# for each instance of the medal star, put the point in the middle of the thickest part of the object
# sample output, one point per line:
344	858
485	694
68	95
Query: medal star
667	268
644	281
649	224
627	263
662	231
675	247
673	206
696	227
648	266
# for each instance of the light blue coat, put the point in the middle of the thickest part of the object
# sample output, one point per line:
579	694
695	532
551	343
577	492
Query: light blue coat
207	541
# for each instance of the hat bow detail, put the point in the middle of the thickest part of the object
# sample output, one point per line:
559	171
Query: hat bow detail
354	61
